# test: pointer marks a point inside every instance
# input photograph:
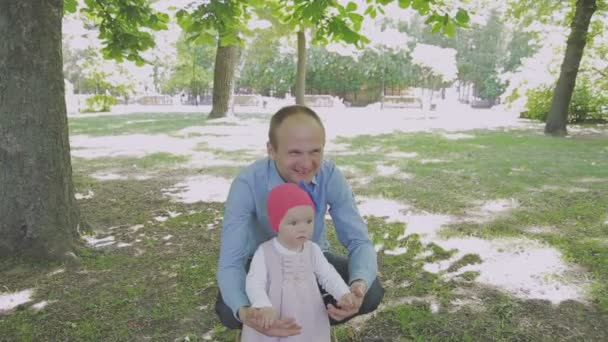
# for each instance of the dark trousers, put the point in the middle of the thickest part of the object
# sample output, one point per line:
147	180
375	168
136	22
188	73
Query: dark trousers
372	298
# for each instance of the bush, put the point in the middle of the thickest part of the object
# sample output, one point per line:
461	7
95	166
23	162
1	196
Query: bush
587	104
100	103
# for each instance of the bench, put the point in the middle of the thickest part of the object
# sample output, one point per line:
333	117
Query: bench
319	100
402	102
247	100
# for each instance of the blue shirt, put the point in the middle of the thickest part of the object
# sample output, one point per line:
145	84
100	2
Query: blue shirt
246	225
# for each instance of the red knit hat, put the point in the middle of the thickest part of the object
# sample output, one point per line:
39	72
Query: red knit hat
281	199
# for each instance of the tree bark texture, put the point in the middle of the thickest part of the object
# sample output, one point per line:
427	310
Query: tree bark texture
301	69
226	59
558	114
38	212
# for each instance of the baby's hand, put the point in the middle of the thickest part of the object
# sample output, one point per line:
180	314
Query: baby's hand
347	301
265	316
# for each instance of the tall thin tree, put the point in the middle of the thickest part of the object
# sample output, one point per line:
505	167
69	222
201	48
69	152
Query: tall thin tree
558	114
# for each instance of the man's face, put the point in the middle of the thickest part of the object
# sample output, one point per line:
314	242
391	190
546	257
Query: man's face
299	153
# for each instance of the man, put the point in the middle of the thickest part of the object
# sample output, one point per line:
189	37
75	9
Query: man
295	150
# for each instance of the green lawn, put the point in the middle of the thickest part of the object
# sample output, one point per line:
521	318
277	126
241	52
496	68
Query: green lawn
164	290
138	123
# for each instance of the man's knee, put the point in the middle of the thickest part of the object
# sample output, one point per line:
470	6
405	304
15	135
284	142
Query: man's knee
224	313
373	297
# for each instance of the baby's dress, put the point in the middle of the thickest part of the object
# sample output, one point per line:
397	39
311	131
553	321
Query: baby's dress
293	291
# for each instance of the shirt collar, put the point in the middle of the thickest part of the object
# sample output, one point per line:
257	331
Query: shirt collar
274	178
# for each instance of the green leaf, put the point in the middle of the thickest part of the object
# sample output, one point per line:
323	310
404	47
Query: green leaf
203	39
422	6
371	12
462	16
69	6
405	3
256	3
437	27
432	19
351	7
350	36
449	29
356	18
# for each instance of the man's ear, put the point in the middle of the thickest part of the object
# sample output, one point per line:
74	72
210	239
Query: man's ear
271	152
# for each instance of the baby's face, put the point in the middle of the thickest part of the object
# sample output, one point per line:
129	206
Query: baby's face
296	227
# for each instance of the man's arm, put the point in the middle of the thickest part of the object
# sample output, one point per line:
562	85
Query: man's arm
351	229
231	274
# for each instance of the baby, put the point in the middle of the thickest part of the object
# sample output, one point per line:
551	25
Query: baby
286	271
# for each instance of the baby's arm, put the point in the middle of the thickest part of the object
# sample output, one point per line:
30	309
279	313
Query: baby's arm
255	286
330	279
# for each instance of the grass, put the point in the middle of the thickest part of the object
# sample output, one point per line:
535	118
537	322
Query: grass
125	165
165	289
118	294
138	123
559	183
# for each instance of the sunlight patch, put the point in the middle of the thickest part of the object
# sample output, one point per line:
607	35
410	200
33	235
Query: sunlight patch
200	189
208	336
207	159
432	161
137	145
540	230
106	176
247	135
88	195
161	218
9	301
57	271
135	228
526	268
404	155
523	267
396	251
41	305
577	190
381	207
424	224
593	180
98	243
493	208
384	170
457	136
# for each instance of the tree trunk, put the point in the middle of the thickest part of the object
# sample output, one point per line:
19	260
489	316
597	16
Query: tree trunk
301	69
38	212
226	59
558	114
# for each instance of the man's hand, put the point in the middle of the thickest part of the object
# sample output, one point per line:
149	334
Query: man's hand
352	302
278	328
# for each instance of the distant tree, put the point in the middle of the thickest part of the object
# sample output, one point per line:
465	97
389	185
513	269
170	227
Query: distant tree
334	22
219	23
266	68
193	69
